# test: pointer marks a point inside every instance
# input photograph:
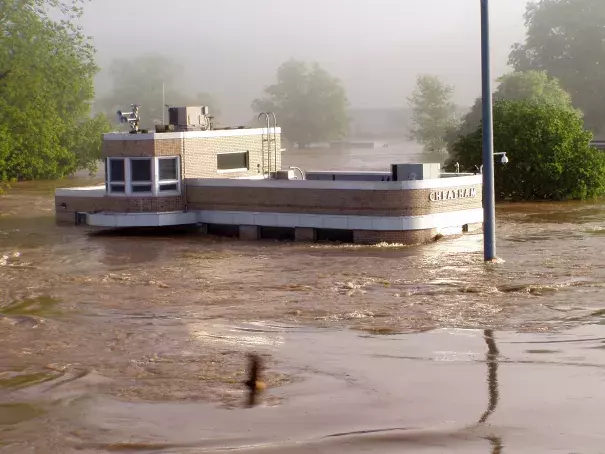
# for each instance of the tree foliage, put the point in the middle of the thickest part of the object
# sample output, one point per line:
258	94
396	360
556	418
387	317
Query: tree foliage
532	85
310	104
515	86
433	113
565	38
139	81
549	152
46	85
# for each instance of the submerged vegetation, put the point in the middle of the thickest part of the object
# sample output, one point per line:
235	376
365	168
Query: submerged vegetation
42	306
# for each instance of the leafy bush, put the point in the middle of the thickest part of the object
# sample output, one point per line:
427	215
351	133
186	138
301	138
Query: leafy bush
515	86
549	152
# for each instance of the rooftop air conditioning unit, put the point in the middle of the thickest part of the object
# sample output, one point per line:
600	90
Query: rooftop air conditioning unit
190	118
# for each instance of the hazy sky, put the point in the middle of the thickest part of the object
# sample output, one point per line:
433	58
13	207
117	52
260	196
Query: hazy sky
231	48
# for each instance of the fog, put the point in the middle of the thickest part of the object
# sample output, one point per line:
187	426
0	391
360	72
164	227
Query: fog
231	48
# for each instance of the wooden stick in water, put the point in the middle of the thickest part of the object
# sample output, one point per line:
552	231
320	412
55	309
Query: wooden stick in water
254	384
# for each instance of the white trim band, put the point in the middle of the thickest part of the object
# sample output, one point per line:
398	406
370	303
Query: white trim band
292	220
437	183
121	220
86	191
343	222
189	134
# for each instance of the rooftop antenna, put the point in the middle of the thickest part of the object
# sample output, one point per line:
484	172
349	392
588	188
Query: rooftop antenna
132	118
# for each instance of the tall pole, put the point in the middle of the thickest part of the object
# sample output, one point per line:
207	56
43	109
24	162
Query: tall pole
163	104
489	197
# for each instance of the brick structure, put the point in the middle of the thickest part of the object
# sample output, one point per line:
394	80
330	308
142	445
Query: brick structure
200	156
411	212
66	206
221	180
140	145
199	150
395	202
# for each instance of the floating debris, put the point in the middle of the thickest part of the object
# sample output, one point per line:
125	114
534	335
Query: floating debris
254	384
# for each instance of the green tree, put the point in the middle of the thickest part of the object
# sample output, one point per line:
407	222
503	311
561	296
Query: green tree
565	38
87	141
549	152
141	80
433	113
46	86
310	104
515	86
532	85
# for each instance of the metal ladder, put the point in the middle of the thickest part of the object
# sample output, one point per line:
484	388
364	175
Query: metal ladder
269	145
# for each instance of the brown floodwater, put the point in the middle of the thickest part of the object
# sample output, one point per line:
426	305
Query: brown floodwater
137	342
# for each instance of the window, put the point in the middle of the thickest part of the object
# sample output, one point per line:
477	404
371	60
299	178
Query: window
140	170
117	170
142	176
168	174
117	175
168	169
232	161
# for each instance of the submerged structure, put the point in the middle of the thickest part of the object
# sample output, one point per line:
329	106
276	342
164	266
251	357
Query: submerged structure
231	181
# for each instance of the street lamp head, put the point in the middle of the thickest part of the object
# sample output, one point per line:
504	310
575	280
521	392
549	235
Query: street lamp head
504	159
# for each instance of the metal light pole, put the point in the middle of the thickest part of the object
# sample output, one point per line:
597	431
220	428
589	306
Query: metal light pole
489	197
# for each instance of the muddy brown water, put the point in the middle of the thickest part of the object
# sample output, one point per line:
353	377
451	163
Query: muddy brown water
137	342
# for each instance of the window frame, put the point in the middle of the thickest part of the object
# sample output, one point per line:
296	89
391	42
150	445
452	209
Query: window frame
155	182
235	169
109	179
132	184
158	183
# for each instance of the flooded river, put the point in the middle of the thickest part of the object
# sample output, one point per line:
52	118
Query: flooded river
137	343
